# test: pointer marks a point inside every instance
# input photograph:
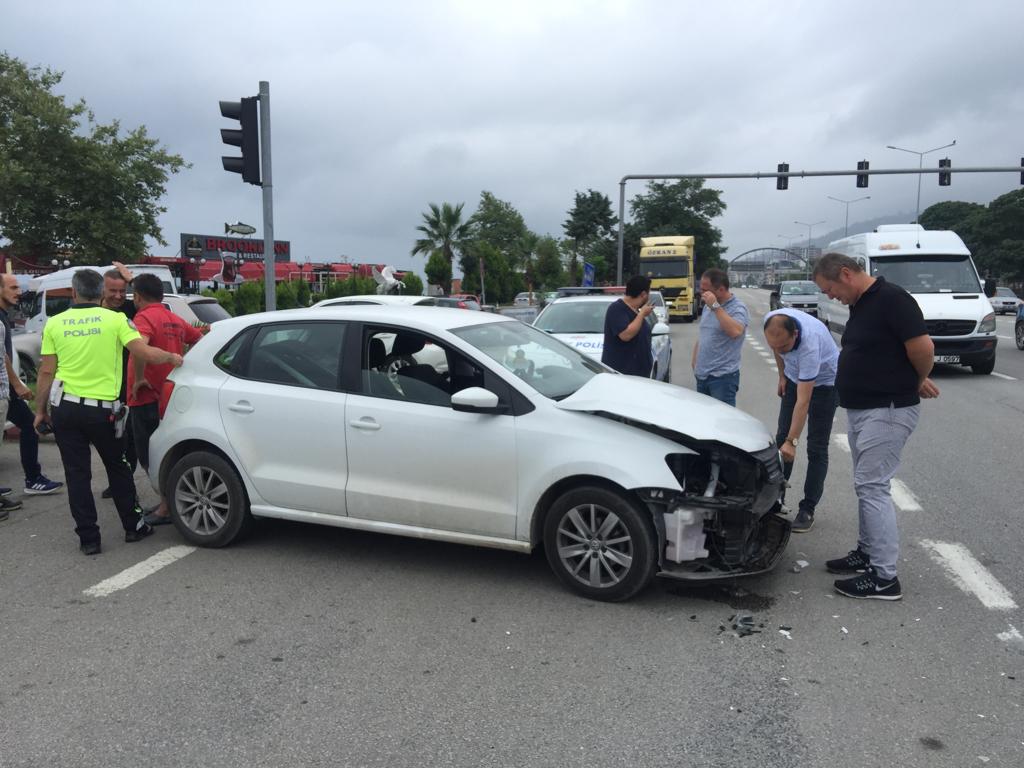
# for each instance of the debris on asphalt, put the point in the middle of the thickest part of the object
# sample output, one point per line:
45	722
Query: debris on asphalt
743	625
786	634
794	591
799	565
845	630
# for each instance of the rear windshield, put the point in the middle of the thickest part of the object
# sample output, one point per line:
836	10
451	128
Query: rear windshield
208	311
928	273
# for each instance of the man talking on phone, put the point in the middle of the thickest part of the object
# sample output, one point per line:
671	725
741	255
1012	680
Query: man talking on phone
627	333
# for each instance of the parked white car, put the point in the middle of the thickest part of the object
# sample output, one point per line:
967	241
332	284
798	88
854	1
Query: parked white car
579	322
660	307
297	415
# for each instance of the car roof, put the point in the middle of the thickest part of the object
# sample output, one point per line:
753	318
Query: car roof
420	318
601	298
375	298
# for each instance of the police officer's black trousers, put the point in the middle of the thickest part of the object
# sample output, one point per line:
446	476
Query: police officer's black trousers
76	427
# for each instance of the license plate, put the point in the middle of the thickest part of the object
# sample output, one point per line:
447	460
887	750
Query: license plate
947	358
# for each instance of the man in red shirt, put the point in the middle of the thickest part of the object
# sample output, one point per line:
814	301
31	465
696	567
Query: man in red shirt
163	329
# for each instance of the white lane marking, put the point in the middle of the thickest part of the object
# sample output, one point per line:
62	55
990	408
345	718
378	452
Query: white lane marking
970	575
1008	338
1002	376
903	497
139	571
841	441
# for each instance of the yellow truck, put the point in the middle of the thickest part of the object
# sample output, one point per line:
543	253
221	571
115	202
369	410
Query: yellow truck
668	261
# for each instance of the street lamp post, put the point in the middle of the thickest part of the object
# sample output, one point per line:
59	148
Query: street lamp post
920	165
846	226
807	253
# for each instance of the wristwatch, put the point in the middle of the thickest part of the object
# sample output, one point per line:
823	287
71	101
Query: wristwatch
716	305
792	441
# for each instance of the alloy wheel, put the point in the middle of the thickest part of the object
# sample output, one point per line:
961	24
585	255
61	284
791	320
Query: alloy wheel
594	546
202	500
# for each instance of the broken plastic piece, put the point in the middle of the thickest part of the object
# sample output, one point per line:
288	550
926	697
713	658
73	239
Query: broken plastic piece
799	565
785	633
743	624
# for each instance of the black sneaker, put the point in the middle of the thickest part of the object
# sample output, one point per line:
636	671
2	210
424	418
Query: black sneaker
139	534
803	522
90	547
9	505
868	586
855	562
5	491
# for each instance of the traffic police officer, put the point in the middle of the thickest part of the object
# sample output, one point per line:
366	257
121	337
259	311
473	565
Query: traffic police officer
82	349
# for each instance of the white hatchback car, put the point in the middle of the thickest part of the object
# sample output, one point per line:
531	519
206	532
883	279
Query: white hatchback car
579	322
298	415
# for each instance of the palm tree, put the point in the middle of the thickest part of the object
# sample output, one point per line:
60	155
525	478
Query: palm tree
443	231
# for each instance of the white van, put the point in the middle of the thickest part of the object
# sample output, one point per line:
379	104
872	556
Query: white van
936	268
49	295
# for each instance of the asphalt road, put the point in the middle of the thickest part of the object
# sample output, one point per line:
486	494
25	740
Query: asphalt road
318	646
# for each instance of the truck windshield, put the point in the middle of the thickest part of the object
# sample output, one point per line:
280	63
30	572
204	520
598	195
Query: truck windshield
671	267
928	273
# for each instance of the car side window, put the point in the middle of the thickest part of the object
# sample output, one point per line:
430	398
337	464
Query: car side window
304	354
231	358
406	365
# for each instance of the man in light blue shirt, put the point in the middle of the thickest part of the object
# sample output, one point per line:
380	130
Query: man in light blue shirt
716	355
807	358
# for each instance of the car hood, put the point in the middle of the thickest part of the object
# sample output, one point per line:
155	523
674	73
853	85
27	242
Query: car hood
669	407
590	344
953	306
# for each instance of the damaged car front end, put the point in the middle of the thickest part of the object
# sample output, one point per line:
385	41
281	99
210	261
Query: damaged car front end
726	520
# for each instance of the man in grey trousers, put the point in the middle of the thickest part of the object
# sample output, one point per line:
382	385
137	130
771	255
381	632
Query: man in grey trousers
884	364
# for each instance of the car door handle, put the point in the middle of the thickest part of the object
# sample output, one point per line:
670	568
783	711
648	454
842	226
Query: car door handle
242	406
365	423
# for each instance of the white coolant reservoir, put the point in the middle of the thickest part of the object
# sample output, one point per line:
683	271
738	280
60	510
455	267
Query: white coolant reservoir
684	535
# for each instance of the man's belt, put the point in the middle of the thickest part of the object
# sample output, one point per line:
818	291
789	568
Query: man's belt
108	404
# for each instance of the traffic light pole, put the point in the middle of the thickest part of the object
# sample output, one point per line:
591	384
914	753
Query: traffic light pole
269	271
769	175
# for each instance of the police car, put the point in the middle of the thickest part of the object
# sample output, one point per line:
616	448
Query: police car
579	322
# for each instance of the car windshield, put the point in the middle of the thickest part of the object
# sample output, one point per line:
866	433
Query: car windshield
1006	292
208	311
657	299
554	369
928	273
573	317
798	288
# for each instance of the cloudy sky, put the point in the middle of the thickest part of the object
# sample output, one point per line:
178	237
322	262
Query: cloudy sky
379	108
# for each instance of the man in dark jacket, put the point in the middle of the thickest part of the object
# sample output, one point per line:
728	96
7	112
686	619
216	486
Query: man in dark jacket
627	334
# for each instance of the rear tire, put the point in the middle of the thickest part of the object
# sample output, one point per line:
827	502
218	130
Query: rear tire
207	500
600	544
1018	332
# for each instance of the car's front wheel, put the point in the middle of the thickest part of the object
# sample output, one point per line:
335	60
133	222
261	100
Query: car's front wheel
600	544
207	501
1018	332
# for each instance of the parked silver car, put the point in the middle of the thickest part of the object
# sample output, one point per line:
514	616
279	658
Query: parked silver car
796	294
1004	302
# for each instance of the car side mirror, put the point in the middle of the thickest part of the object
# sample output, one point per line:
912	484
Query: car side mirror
476	400
660	329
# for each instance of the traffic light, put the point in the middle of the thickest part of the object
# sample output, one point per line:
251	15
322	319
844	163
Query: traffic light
247	138
862	178
782	182
945	177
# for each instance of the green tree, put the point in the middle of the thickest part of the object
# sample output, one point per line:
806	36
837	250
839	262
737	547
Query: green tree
443	232
250	298
70	183
547	266
499	224
685	207
994	233
591	230
413	284
439	271
224	297
500	281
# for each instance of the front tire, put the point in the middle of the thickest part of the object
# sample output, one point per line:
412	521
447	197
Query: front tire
600	544
985	368
207	500
1018	332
